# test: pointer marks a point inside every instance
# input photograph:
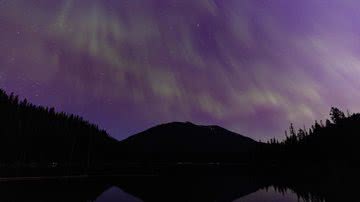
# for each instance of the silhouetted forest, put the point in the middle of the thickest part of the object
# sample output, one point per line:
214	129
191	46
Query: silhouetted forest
331	146
36	140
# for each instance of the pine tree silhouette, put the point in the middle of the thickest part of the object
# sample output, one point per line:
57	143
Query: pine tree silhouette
38	137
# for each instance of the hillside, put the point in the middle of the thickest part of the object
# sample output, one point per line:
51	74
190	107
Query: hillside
35	138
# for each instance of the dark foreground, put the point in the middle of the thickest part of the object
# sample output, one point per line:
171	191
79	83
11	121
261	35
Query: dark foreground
223	188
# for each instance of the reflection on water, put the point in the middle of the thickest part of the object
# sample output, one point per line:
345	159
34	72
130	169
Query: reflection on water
115	194
137	189
270	194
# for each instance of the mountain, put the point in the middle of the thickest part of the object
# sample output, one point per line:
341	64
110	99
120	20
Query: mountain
38	140
187	141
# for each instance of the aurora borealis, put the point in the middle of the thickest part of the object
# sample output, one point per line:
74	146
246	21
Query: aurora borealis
252	66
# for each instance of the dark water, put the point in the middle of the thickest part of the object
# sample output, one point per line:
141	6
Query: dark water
137	189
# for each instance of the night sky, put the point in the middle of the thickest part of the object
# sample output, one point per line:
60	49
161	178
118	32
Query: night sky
250	66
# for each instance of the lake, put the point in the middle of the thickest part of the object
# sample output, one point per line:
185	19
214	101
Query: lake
137	189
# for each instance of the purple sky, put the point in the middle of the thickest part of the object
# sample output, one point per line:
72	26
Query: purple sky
250	66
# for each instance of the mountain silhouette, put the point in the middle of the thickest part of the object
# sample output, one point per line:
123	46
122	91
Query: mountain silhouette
187	137
187	143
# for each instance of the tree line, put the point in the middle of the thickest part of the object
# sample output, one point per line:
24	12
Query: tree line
34	137
327	149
